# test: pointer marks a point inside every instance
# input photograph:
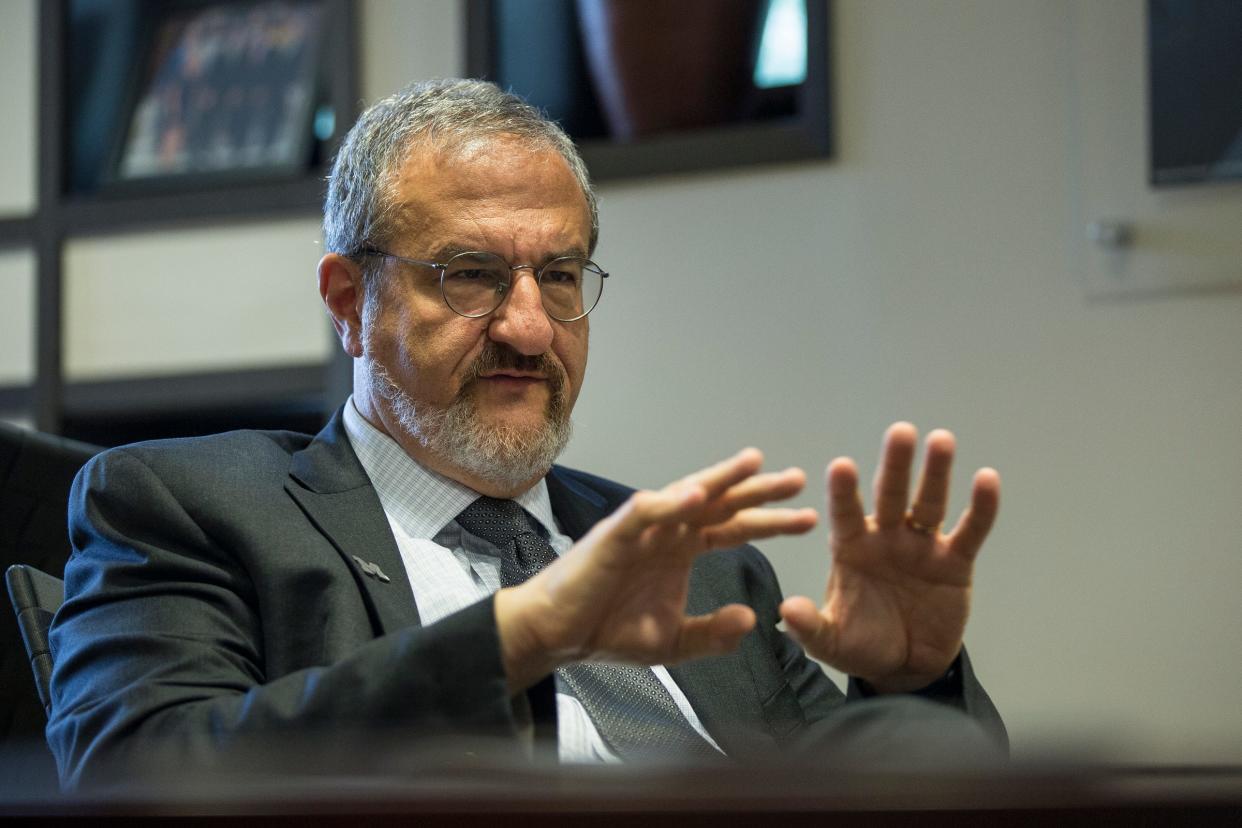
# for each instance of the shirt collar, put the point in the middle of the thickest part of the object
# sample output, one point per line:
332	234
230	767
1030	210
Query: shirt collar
421	500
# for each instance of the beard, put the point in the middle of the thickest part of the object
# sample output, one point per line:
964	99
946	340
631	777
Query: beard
503	455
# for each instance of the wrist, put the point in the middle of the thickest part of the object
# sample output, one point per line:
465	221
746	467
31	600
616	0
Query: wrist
525	658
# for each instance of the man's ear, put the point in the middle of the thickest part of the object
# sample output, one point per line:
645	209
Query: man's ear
340	286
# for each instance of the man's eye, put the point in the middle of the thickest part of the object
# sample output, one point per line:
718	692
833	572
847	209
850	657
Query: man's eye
471	275
560	277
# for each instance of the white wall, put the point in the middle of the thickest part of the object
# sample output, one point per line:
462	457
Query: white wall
17	315
930	273
202	299
18	36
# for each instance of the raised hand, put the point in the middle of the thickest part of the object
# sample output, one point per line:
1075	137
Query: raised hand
620	593
899	590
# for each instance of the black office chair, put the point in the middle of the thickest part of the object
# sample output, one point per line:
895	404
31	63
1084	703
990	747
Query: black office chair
36	472
36	596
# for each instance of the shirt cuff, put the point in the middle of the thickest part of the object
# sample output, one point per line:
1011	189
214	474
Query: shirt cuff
947	688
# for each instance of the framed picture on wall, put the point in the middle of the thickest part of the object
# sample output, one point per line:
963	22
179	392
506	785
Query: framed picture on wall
222	91
650	86
1194	72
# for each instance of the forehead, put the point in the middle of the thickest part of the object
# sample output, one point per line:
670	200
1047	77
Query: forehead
500	192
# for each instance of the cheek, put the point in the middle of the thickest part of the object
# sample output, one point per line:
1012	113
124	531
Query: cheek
572	351
423	334
392	339
443	352
425	344
395	346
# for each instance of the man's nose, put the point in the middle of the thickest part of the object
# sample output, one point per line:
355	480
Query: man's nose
521	322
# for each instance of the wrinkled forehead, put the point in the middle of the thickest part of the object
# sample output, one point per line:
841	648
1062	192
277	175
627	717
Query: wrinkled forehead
499	157
436	174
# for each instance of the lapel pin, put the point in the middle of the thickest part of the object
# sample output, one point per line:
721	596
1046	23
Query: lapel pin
370	569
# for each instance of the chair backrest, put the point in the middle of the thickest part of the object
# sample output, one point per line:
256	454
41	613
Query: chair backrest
36	596
36	472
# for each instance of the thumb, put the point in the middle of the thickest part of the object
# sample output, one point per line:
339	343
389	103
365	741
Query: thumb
808	626
715	633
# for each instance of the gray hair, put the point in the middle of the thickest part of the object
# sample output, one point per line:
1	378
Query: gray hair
451	113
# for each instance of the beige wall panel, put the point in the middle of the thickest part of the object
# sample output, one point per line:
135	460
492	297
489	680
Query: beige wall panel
17	318
18	76
929	273
218	298
403	41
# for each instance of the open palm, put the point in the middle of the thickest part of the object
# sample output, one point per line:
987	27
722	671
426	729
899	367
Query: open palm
898	595
620	593
622	590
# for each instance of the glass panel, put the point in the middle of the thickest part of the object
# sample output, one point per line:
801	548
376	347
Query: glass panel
782	49
172	91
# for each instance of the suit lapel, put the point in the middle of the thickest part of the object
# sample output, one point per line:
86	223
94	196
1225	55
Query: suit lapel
577	507
333	490
722	689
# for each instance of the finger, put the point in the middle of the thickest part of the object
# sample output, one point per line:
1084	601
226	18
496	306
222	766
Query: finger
716	633
715	479
647	508
807	625
755	491
756	524
684	499
971	530
711	481
845	507
892	481
932	498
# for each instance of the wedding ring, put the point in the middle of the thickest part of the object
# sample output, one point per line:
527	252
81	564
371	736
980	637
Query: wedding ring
922	529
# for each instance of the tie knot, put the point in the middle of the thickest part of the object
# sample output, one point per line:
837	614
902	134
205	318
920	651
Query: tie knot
496	521
508	527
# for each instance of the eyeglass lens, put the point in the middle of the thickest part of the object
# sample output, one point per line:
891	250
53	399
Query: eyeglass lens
569	287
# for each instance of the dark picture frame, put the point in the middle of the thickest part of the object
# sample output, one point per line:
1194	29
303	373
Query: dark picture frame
1194	71
224	92
789	124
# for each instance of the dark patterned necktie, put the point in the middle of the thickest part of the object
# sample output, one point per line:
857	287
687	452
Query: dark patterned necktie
632	710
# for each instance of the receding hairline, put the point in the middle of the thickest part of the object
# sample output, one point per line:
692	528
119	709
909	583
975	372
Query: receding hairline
451	150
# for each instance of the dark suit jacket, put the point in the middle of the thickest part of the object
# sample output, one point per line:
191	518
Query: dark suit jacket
214	600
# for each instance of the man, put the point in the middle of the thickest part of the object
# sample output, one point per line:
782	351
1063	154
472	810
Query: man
421	569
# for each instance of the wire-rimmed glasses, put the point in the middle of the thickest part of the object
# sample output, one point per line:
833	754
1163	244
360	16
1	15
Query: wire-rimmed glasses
474	283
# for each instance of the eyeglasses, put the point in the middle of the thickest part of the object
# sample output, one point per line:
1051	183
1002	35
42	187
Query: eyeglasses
475	283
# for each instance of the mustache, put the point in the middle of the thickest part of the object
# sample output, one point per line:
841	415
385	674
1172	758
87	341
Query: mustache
498	357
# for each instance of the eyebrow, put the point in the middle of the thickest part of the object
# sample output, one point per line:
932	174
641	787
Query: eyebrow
448	251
